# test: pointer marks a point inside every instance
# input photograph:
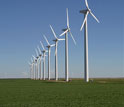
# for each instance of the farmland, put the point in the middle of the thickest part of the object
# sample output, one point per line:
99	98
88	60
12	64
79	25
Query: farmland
77	93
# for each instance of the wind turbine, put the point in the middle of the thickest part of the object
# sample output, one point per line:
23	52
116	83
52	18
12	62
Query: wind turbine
44	55
49	50
86	12
35	65
37	56
40	56
56	55
32	69
66	31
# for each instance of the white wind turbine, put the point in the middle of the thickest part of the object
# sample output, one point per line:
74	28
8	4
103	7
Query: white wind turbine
66	45
35	67
30	67
37	56
86	12
40	57
56	40
49	50
44	55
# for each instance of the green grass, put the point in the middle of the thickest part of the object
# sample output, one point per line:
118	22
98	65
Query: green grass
30	93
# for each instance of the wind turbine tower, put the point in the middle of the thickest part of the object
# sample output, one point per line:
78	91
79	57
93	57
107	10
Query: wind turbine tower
40	56
56	40
37	57
35	67
44	55
86	12
66	45
49	51
32	69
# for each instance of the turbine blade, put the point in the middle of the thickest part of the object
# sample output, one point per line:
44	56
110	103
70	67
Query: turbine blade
39	49
61	39
63	33
84	21
36	52
73	38
94	17
67	18
46	50
31	59
46	40
52	45
37	60
87	4
53	32
42	45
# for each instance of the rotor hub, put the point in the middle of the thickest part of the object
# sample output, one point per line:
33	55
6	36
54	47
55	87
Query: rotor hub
43	51
48	46
55	40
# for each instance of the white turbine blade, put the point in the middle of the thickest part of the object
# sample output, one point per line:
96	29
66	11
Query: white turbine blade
46	40
33	57
84	21
39	49
67	18
73	38
38	60
64	33
46	50
87	4
42	45
61	39
94	17
53	32
52	45
36	52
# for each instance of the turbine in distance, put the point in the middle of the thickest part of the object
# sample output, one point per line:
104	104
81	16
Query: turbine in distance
56	40
49	52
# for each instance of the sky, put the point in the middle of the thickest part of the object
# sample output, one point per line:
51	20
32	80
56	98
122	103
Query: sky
23	23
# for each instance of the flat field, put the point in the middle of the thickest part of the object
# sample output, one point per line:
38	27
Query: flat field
77	93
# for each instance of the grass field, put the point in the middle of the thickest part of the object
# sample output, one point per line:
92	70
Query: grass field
30	93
